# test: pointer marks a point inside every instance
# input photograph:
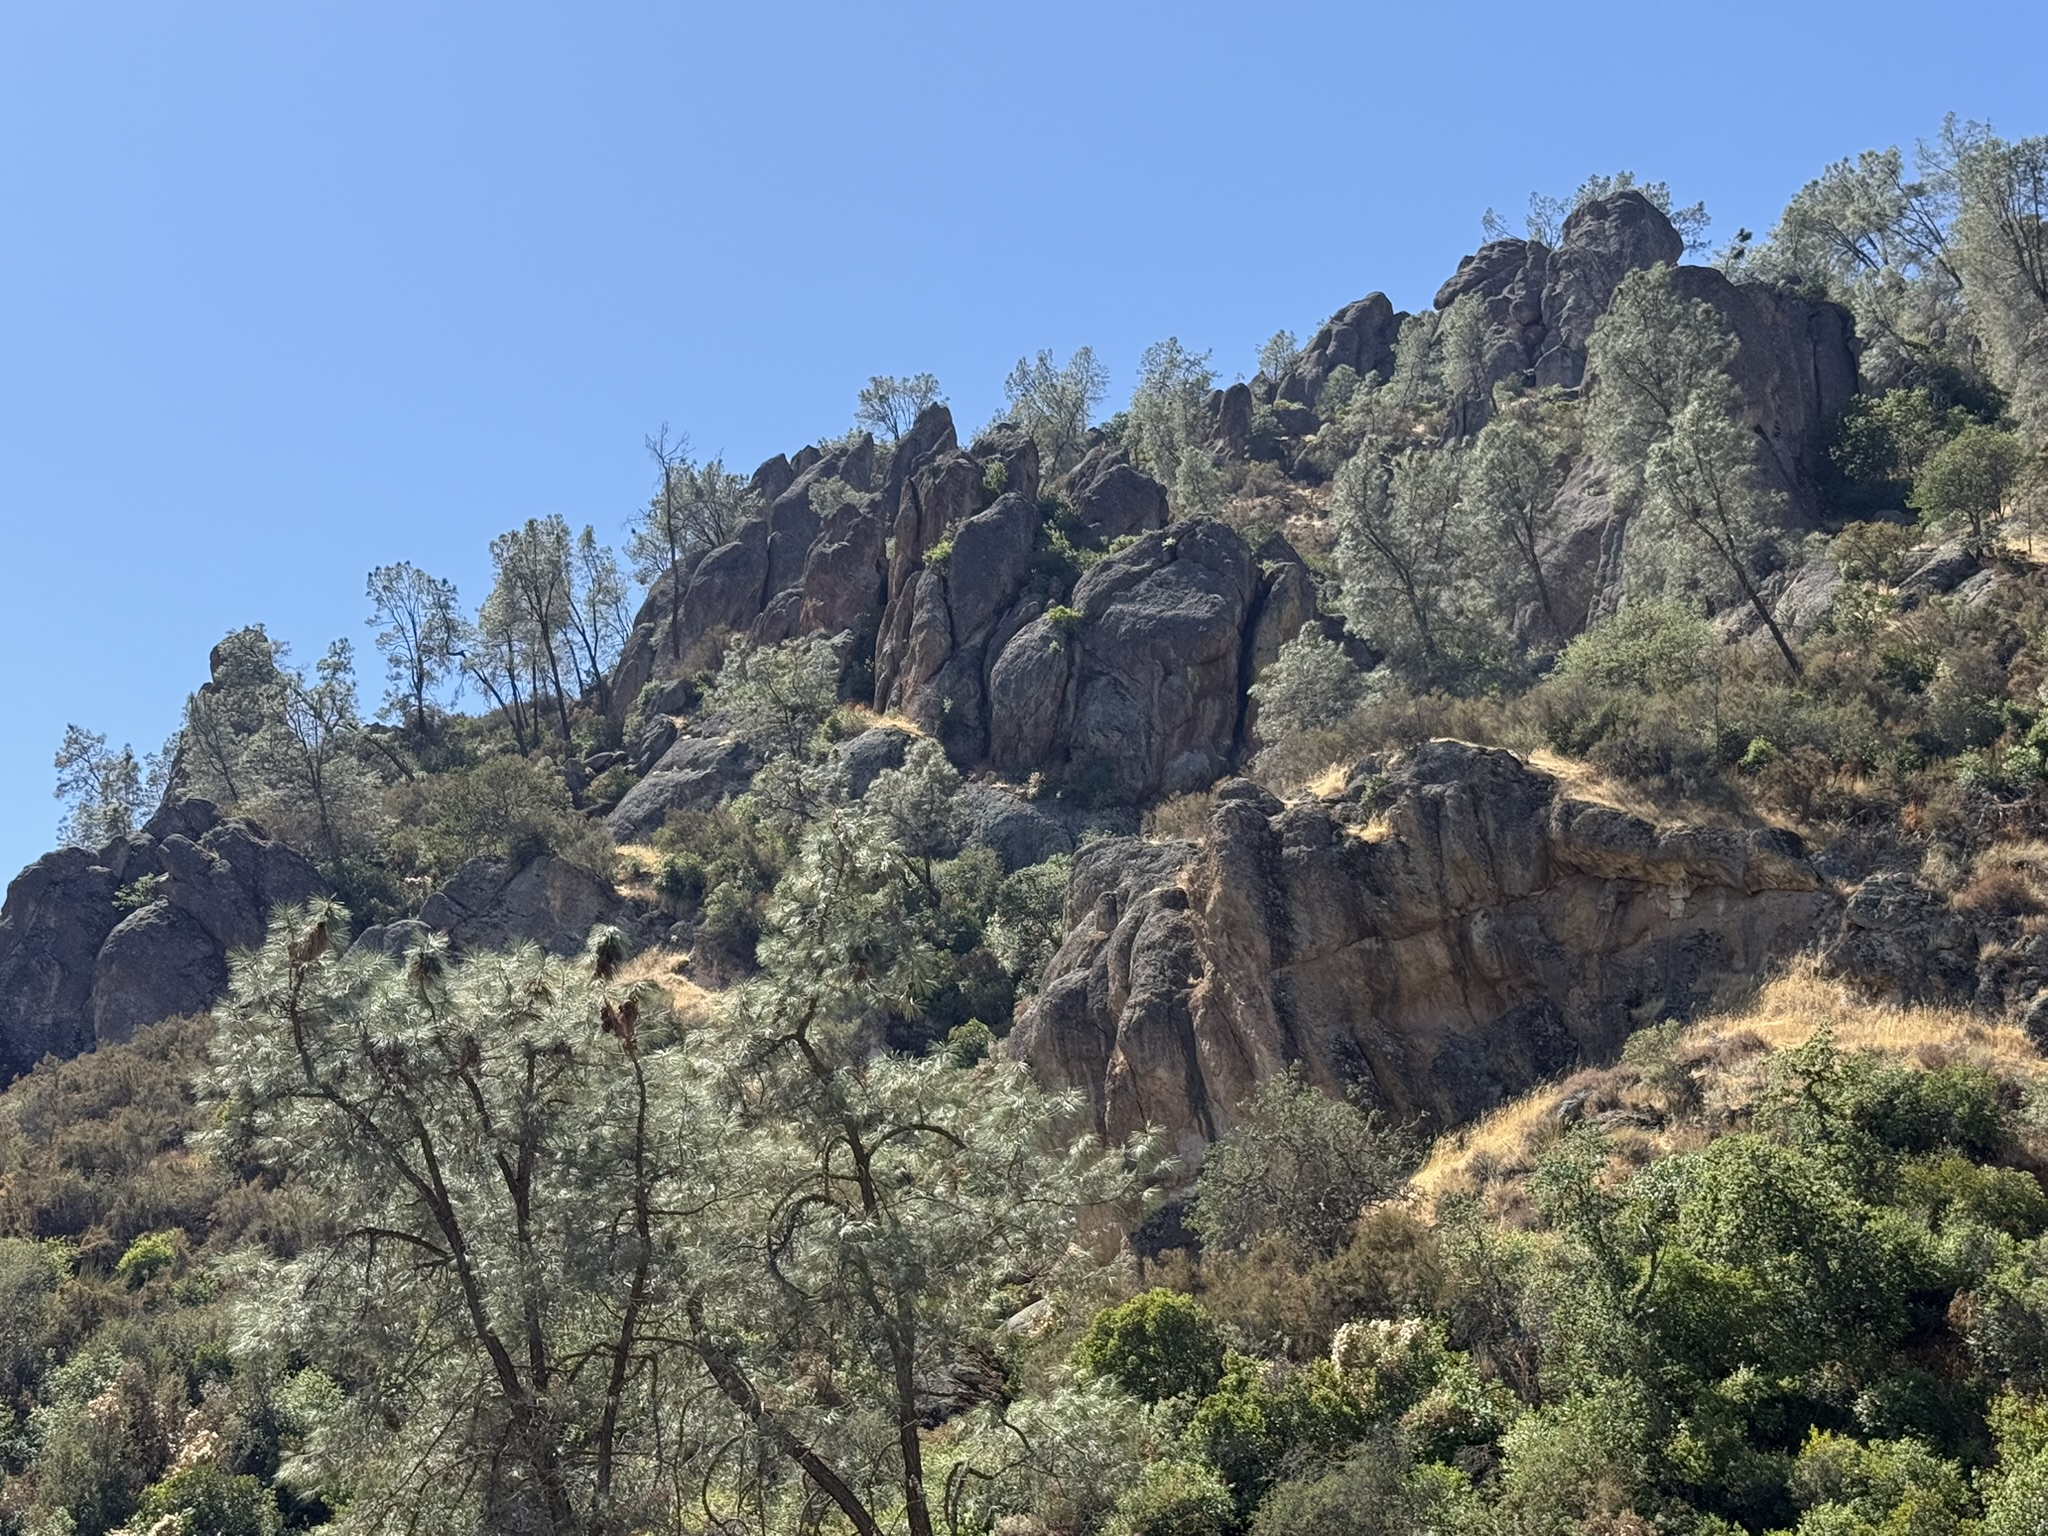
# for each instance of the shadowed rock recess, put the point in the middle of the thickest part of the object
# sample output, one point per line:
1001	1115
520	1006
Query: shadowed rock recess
1443	932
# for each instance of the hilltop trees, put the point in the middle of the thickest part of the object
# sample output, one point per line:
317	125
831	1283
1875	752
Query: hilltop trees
1054	404
421	639
102	790
1168	425
889	406
694	507
284	745
1664	412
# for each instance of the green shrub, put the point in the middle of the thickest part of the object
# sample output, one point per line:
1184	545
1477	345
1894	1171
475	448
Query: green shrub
1062	620
509	806
1655	647
137	893
1252	1425
1374	1490
1845	1487
1299	1163
968	1044
147	1257
680	881
939	556
609	787
1176	1498
1155	1346
210	1502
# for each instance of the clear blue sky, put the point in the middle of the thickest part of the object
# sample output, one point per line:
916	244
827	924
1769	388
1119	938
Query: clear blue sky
290	290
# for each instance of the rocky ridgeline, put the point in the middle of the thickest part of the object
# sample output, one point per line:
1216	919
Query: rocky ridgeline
1497	931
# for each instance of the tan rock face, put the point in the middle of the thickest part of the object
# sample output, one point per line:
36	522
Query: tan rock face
1468	931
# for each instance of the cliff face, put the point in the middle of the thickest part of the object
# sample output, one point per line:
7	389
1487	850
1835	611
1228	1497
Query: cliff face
1472	930
96	945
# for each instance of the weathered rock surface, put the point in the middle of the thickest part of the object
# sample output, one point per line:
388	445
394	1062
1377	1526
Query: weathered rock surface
1482	929
1141	694
1359	336
961	611
1795	366
696	773
1540	304
75	968
492	903
1112	499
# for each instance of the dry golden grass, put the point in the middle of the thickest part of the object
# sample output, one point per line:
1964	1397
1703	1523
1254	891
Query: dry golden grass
1731	1052
1582	781
634	867
665	969
2006	880
862	718
1377	830
1329	784
1182	816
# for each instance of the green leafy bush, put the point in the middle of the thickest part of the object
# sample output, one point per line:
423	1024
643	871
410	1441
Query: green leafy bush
1157	1345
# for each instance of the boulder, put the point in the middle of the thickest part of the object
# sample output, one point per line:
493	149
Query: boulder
866	757
1016	450
771	480
1112	499
1230	413
929	436
214	896
1601	243
1018	832
77	968
492	903
695	774
1939	572
944	492
1139	695
58	913
1795	365
1539	304
1473	930
1901	941
1359	336
846	573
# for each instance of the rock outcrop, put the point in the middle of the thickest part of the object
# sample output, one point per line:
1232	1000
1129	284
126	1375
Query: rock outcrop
96	945
1471	930
1359	336
1540	304
493	903
695	773
1136	689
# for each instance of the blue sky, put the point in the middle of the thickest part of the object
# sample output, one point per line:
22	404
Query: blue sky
291	290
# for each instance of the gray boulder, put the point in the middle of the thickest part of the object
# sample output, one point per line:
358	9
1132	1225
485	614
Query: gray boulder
846	573
1017	451
866	757
1359	336
491	903
696	773
214	896
1540	304
1114	500
75	968
1015	830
